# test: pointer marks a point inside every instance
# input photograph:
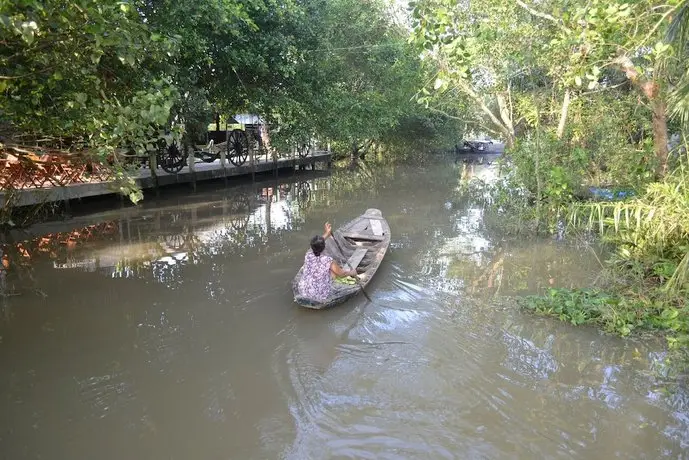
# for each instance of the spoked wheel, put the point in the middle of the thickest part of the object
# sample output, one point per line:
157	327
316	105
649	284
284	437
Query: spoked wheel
303	193
240	223
240	203
171	159
237	147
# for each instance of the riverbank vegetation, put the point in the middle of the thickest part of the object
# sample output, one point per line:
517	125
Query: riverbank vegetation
592	100
110	78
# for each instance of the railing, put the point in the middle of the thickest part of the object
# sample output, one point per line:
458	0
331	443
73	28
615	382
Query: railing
21	171
28	170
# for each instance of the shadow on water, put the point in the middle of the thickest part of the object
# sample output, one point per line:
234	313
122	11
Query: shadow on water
168	331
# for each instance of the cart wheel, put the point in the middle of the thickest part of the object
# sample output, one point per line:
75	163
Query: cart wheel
240	223
243	202
172	160
237	147
303	193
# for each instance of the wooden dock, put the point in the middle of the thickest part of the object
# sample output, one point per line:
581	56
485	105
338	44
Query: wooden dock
202	172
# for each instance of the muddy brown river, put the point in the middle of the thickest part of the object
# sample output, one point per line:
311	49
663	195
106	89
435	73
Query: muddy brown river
168	331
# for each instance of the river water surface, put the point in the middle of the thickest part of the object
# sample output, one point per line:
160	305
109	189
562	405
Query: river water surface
167	331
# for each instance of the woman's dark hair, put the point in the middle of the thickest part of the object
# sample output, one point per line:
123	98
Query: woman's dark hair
317	245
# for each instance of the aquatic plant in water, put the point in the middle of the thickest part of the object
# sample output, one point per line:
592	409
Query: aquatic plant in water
648	275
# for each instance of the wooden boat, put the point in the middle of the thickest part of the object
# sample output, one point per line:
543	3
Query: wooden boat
361	244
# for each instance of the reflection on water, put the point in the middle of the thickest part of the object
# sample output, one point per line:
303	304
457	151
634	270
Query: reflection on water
168	331
157	243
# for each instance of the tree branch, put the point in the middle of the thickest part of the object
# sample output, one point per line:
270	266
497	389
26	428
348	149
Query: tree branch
464	86
563	114
468	122
603	89
545	16
442	112
37	72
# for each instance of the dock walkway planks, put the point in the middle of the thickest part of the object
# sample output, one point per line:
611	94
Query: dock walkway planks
202	172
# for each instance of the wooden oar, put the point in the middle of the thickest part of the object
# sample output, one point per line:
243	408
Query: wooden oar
356	278
361	286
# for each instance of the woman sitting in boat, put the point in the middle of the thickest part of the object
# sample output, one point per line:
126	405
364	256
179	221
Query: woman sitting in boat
316	278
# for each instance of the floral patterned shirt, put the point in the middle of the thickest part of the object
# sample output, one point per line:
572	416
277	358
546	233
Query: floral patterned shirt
315	277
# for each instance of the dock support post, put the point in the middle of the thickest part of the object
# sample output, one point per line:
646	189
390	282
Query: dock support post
153	166
268	223
253	163
223	157
191	159
293	163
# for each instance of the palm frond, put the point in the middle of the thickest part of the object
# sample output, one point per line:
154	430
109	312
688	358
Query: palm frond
680	277
678	31
678	35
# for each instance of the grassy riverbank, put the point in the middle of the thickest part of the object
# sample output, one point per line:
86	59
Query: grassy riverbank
644	283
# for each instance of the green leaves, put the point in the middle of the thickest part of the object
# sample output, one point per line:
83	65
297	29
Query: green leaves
62	54
616	313
17	24
661	48
28	31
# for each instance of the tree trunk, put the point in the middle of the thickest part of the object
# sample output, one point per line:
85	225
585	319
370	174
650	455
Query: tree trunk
660	139
539	182
363	150
359	151
265	141
506	129
354	154
505	114
563	115
651	89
